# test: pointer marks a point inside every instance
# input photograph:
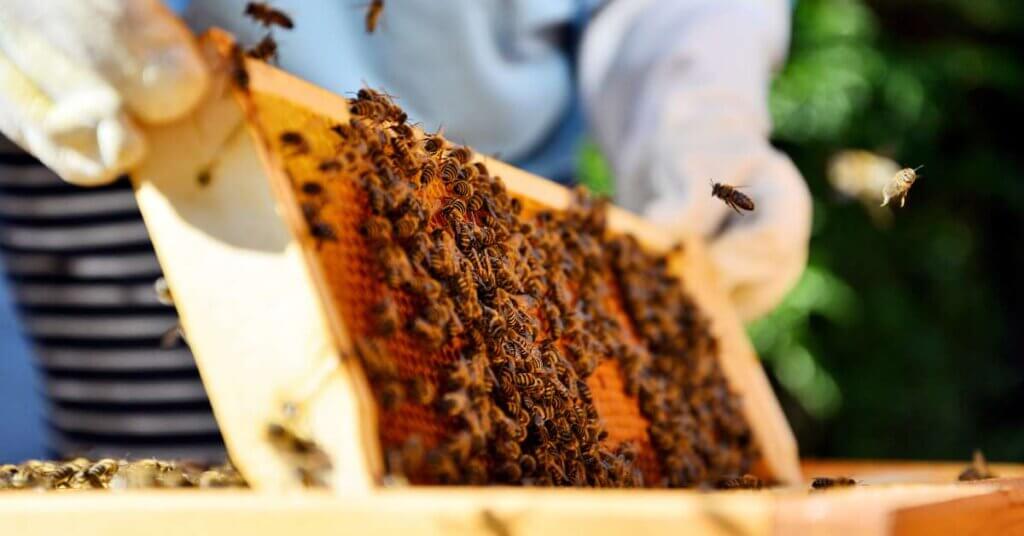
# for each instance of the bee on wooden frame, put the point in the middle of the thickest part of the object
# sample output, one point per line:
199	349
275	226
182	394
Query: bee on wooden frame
265	49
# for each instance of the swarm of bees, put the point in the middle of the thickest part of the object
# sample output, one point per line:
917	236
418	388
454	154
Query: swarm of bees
108	473
480	322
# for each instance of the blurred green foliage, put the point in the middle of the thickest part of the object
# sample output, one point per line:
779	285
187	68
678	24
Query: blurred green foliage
906	340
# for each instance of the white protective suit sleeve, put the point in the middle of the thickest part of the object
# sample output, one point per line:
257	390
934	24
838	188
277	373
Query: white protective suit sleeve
76	74
677	95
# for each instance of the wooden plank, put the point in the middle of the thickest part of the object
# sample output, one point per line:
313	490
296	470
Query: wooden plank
981	507
1001	512
902	471
439	511
244	294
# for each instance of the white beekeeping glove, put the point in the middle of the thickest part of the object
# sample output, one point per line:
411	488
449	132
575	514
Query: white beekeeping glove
677	93
75	75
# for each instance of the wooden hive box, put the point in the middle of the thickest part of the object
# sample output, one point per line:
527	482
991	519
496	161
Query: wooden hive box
255	296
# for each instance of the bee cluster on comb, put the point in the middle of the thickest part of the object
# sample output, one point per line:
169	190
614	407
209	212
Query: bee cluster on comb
108	473
505	343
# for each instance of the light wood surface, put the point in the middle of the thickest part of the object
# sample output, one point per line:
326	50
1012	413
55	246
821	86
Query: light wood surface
244	294
255	307
987	507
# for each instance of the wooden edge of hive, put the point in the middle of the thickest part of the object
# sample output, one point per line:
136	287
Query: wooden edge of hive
245	295
739	362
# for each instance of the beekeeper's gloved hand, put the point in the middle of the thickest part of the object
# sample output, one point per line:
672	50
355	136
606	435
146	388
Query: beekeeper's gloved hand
75	75
677	93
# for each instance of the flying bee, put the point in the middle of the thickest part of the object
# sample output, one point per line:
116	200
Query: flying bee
373	13
265	49
734	198
267	16
899	186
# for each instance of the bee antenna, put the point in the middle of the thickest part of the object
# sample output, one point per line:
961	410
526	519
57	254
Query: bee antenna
918	167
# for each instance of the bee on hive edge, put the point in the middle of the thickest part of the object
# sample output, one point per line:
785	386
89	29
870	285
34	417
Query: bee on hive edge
265	49
373	13
734	198
899	186
824	482
262	13
978	470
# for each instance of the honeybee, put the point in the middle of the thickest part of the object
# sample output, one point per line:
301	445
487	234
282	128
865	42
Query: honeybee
432	334
322	231
238	72
99	473
455	403
368	108
421	391
433	144
978	470
162	291
204	177
899	186
455	209
462	188
449	170
824	482
734	198
385	314
267	16
265	49
461	154
373	13
741	482
312	188
329	166
295	141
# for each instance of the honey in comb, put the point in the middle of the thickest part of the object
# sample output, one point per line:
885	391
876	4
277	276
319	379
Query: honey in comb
553	352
